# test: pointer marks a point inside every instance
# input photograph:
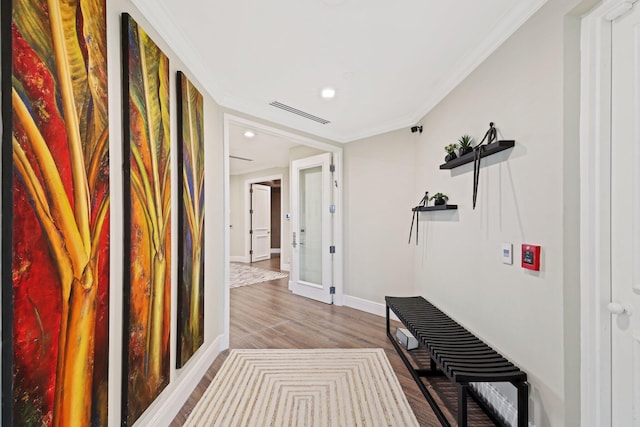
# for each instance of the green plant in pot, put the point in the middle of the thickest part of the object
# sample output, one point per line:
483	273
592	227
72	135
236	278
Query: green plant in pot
451	152
439	199
465	144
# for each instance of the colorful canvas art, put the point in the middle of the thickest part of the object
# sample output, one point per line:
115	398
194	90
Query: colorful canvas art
55	222
147	225
190	220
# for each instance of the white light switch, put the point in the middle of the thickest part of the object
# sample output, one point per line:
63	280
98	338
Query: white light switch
507	253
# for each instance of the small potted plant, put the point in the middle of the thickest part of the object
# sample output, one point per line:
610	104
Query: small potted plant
465	145
451	152
439	199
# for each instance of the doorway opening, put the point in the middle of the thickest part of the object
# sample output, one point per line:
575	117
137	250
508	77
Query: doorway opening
275	209
263	217
264	159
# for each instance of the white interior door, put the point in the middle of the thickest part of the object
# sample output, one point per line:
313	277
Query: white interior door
625	220
311	226
260	222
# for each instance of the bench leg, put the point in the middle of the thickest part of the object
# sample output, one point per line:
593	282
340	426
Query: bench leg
414	374
462	405
388	322
523	404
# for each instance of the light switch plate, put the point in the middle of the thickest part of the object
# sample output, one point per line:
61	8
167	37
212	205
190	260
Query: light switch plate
507	253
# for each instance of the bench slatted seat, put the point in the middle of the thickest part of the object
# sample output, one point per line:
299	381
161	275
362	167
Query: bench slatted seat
456	353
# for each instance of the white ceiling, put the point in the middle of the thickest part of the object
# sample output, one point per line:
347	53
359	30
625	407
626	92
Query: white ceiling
263	151
390	61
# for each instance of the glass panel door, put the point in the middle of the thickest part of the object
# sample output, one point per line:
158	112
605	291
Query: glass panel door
311	227
310	199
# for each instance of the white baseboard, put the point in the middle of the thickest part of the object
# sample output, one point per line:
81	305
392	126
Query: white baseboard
275	250
165	408
367	306
238	259
285	267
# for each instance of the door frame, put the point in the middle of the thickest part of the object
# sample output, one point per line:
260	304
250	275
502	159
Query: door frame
337	151
595	216
247	214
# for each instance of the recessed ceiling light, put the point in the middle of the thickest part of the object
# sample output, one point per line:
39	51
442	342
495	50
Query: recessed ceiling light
328	93
249	134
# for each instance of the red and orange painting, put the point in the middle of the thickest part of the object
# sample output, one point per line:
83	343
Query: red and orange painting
55	213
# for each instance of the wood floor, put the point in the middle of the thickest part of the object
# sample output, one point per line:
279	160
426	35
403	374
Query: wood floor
267	315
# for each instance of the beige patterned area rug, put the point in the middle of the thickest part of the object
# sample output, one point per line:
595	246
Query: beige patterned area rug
319	387
243	275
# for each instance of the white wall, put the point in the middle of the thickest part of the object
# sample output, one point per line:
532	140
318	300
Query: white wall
526	195
379	191
236	218
302	151
184	380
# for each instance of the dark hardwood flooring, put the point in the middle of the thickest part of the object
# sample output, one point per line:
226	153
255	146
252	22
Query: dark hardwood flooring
267	315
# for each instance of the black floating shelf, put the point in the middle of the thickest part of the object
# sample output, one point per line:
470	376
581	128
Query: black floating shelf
487	150
434	208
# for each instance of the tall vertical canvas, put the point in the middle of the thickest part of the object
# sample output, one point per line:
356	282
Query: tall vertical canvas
55	219
147	225
190	220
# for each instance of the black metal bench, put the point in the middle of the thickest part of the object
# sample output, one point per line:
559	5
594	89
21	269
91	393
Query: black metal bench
456	353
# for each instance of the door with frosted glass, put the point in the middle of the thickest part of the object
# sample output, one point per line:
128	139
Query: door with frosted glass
311	227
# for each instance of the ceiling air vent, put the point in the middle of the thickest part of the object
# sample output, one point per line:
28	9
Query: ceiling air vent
240	158
299	112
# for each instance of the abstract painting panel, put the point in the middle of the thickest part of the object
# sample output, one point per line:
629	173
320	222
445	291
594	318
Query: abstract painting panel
190	220
147	225
55	222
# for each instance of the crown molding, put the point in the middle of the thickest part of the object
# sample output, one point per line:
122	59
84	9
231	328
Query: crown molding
161	20
508	25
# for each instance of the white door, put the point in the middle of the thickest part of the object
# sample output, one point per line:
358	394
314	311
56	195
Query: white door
311	193
260	222
625	221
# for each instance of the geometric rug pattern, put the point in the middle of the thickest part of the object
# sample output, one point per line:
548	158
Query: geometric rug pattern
242	275
305	388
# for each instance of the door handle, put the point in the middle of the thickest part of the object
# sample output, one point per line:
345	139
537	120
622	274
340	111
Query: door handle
618	309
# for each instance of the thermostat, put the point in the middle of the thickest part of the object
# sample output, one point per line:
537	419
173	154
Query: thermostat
531	257
507	253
